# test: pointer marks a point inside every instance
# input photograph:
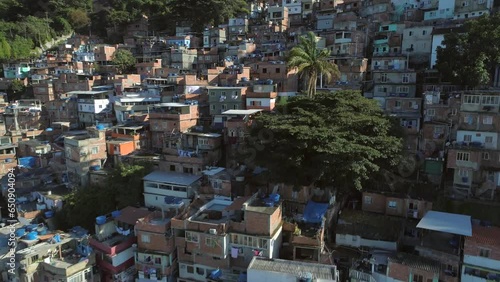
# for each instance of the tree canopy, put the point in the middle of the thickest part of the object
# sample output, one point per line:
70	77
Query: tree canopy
469	57
123	188
310	61
338	139
124	60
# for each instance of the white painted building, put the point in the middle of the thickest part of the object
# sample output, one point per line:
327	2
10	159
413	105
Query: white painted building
159	184
132	104
90	105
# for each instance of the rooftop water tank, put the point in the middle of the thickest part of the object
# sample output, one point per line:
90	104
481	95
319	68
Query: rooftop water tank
100	127
49	129
42	230
269	82
116	214
216	274
307	277
49	214
275	197
33	235
20	232
269	202
100	220
95	168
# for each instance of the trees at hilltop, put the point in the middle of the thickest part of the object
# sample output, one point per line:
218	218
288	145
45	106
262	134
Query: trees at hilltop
338	139
469	58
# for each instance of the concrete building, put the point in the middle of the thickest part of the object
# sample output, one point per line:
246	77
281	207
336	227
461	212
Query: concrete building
417	44
262	97
481	254
93	106
155	256
191	152
130	105
159	184
114	241
222	98
278	270
168	119
83	153
226	235
62	257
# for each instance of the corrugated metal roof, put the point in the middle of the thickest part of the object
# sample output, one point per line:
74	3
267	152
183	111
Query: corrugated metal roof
318	271
184	179
416	262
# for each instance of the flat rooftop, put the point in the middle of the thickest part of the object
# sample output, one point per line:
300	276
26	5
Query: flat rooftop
370	225
86	92
171	105
213	212
318	271
184	179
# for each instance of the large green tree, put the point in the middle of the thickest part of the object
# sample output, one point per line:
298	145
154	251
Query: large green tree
470	56
124	60
339	139
311	61
123	188
207	12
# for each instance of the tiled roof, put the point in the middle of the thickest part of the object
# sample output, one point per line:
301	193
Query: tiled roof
416	262
130	215
485	235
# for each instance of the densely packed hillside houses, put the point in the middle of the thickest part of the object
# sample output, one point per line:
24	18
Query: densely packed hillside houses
233	140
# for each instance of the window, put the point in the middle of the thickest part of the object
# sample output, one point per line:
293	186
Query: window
397	104
490	100
463	173
368	200
145	238
469	119
211	242
200	271
486	156
471	99
172	167
424	32
461	156
488	139
392	204
235	107
264	70
192	237
213	107
190	269
488	120
467	138
453	112
383	77
431	112
418	278
158	260
278	70
403	89
406	78
223	107
95	150
410	33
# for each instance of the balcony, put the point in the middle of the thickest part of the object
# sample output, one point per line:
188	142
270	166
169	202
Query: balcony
378	41
159	269
344	40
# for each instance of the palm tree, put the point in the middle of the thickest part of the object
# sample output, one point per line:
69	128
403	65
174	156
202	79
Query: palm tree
310	61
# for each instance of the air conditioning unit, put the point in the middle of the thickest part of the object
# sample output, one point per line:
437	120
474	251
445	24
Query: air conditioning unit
212	231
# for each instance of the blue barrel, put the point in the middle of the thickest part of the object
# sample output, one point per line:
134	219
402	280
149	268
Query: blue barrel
42	230
100	127
20	232
269	202
100	220
216	274
116	214
33	235
275	197
49	129
49	214
269	82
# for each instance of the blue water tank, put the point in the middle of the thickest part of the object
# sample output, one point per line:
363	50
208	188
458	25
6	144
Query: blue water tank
100	127
116	214
42	230
49	214
100	220
307	277
269	82
216	274
269	202
31	227
170	200
95	168
275	197
244	79
20	232
33	235
49	129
